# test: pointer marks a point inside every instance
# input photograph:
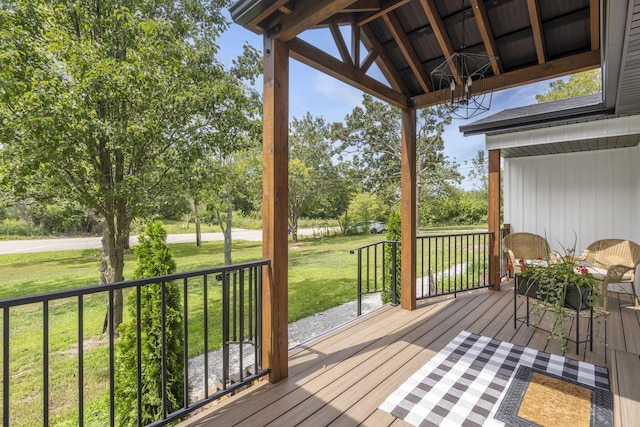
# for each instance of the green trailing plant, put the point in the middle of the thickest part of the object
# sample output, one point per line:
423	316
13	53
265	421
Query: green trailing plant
551	282
154	259
393	234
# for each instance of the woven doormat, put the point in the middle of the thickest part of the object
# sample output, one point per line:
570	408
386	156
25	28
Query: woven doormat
465	383
537	398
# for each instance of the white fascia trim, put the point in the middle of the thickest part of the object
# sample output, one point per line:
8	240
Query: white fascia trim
617	126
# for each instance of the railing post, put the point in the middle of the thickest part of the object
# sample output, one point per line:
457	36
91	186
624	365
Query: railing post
5	366
45	364
394	275
112	365
225	329
80	361
185	332
359	282
163	351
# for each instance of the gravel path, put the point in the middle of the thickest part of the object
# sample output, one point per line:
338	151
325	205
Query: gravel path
299	332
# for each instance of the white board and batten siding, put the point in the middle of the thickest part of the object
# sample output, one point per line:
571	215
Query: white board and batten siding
575	198
594	194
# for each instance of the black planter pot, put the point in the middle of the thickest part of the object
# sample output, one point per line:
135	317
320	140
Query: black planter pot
526	287
575	298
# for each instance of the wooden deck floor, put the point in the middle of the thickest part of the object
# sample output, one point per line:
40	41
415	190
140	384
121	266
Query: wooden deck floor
341	378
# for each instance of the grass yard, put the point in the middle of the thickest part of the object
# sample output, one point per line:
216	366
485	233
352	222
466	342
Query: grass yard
322	274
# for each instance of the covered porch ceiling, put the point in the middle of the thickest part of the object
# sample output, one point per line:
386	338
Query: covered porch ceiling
534	40
601	121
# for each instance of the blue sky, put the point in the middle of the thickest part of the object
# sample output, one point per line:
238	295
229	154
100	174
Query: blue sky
321	95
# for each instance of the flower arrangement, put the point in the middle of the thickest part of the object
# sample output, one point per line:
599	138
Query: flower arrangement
553	283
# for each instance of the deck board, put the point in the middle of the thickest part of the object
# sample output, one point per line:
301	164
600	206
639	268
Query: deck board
626	403
342	377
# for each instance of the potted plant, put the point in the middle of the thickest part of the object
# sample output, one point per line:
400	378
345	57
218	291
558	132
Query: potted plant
558	286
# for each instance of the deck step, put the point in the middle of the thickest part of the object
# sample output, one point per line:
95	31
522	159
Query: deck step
625	388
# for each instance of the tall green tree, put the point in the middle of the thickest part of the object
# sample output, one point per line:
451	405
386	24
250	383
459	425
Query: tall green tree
154	259
226	168
479	172
103	100
578	84
372	136
234	173
317	186
366	207
301	190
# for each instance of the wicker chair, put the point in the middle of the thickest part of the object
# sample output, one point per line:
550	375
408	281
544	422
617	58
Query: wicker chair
612	261
525	246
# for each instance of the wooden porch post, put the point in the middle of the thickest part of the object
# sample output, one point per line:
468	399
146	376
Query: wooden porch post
408	210
275	194
494	218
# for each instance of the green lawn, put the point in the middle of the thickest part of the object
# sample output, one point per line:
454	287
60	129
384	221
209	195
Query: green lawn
322	274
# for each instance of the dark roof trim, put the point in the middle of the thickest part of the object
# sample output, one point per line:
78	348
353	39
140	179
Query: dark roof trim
245	11
539	115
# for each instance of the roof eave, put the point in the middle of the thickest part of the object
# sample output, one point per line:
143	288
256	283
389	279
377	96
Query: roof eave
538	120
245	11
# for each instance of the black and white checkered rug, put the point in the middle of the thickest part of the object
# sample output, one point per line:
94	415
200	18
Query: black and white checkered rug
464	383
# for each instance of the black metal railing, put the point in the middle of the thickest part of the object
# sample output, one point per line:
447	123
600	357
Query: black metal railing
451	263
221	351
445	264
378	270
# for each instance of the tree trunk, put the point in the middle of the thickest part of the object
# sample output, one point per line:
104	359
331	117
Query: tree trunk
196	215
113	262
293	227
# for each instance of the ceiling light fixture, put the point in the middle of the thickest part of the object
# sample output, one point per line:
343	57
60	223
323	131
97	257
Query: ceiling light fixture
462	82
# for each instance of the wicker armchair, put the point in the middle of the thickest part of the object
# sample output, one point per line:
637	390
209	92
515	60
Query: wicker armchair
612	261
525	246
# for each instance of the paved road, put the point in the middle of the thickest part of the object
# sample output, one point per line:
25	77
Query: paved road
50	245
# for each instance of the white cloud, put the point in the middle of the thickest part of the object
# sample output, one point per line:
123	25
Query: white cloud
336	91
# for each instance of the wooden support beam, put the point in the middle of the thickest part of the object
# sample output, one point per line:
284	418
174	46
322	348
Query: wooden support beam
494	219
408	171
482	19
275	198
340	44
594	11
536	27
549	70
440	31
255	22
307	14
355	45
385	63
368	61
364	6
337	19
386	6
408	51
287	9
316	58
